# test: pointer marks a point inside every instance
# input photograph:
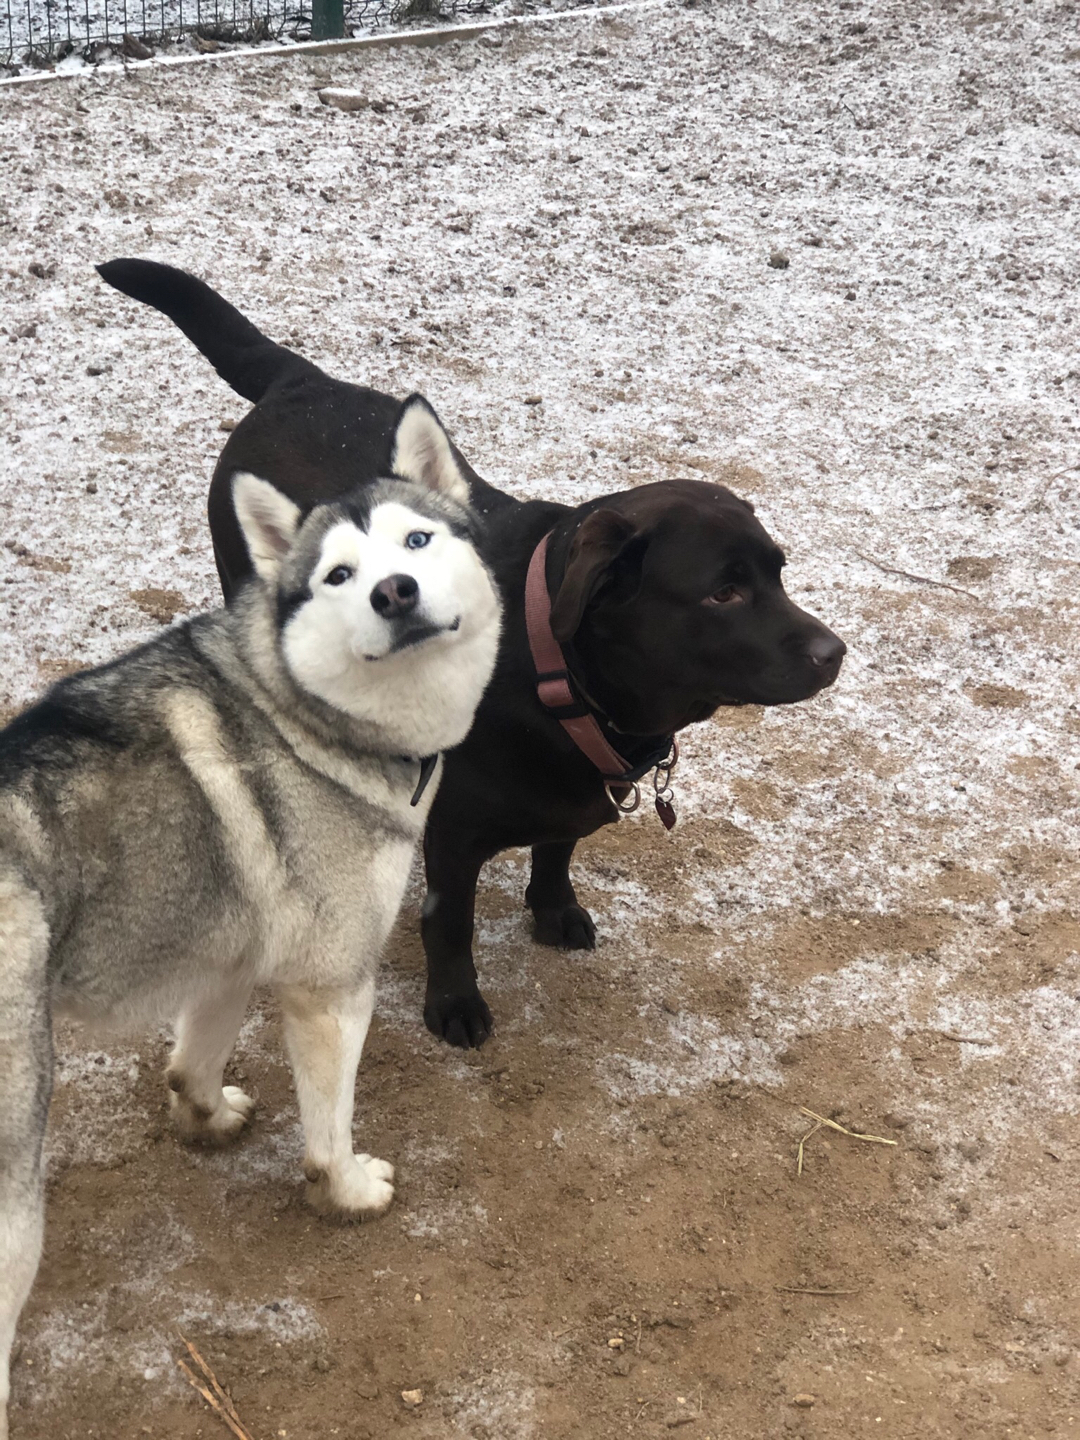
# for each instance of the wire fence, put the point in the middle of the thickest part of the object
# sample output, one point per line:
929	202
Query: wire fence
38	33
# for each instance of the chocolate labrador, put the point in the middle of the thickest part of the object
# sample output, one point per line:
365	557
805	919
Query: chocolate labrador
626	619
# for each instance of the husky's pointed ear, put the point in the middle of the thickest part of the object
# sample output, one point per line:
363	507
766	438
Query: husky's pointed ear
422	451
269	521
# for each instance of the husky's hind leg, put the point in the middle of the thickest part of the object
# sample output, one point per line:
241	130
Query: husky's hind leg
203	1110
325	1031
25	1087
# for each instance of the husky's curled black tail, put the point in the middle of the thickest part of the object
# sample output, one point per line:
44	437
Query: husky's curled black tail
242	355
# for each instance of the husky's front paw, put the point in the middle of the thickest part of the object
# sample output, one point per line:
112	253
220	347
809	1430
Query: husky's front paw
359	1191
201	1126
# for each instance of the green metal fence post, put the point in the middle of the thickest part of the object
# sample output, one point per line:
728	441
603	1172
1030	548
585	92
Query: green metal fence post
327	19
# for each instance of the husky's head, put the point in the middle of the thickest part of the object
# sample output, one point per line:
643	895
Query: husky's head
384	609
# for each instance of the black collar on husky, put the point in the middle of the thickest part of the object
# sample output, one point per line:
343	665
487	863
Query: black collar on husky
427	769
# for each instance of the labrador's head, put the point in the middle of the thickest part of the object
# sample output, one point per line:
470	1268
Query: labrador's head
670	601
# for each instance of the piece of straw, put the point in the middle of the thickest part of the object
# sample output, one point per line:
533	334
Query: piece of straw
855	1134
819	1121
803	1141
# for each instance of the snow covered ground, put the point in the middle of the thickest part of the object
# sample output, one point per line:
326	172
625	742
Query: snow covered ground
591	218
823	253
594	222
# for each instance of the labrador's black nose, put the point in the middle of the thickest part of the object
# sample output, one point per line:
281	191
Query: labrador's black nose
395	596
825	652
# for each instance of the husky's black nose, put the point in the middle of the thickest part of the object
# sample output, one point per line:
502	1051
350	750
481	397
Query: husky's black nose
395	596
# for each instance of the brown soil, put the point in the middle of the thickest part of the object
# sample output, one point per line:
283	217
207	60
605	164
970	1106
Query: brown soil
570	1256
160	605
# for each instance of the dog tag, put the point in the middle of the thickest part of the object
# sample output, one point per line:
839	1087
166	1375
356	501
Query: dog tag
666	811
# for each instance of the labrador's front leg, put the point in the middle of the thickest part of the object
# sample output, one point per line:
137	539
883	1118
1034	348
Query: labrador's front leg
560	920
325	1031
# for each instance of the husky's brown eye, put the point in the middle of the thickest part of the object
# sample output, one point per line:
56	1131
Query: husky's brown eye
724	596
339	575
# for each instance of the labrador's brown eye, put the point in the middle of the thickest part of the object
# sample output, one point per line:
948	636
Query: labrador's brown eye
724	596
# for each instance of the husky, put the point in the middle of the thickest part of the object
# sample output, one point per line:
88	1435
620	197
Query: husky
238	803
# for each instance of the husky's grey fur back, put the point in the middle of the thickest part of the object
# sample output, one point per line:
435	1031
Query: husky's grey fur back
194	819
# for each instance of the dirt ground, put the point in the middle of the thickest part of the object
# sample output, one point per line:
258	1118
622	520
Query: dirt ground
825	253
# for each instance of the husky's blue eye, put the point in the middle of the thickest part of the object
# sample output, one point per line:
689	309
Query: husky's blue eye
339	575
417	539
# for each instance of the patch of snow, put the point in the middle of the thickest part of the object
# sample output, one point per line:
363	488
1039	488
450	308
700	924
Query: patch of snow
452	1221
98	1104
500	1403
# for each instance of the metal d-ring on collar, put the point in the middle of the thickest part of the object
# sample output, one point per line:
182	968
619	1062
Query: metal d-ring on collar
631	793
556	693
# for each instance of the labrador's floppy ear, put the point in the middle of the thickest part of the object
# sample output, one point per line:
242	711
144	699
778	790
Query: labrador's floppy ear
422	451
600	540
269	521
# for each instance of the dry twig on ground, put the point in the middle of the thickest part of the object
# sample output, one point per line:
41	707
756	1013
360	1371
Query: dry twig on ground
216	1397
919	579
811	1290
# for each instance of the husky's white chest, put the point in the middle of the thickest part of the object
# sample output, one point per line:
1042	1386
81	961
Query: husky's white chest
332	887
